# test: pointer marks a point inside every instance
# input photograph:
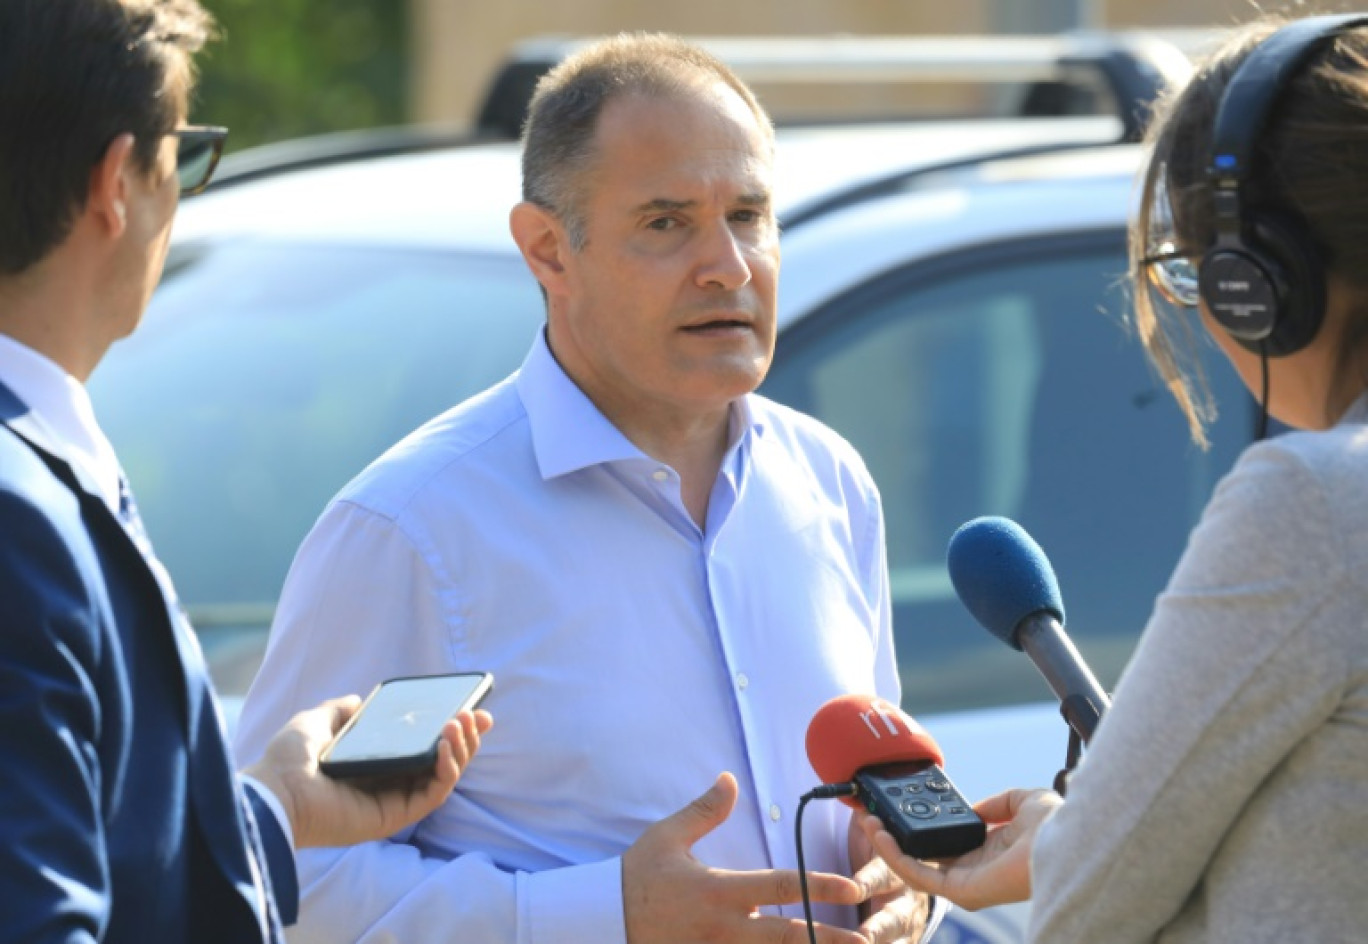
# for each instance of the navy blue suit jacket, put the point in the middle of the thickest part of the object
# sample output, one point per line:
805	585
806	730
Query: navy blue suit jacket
121	818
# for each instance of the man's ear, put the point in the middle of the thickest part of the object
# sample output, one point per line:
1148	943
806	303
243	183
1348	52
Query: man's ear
542	240
107	199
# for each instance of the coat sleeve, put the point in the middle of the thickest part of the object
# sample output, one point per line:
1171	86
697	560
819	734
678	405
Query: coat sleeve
1227	680
54	874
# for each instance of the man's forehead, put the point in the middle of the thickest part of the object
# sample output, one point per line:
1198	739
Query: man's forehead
716	108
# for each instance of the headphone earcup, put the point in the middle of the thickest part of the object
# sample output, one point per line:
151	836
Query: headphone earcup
1301	311
1269	292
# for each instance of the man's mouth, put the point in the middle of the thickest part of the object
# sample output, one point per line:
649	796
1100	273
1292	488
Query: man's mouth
718	324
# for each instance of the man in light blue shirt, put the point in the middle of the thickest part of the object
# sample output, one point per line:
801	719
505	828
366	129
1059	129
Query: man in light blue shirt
666	573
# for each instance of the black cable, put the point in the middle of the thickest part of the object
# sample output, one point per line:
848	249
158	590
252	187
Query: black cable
826	791
1263	401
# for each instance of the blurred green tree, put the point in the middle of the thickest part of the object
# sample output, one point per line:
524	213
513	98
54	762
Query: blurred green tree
285	68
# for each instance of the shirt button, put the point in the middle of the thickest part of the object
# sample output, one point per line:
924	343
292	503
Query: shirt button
660	475
775	812
742	681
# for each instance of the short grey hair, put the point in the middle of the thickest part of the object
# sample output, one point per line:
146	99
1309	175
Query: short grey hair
558	137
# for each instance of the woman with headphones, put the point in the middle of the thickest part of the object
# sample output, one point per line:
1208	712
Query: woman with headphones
1224	797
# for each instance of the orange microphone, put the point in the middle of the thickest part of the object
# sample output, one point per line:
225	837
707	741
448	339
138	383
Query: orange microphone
896	769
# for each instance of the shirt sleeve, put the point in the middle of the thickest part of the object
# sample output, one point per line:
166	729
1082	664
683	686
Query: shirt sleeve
363	603
54	870
874	559
263	796
277	853
1228	678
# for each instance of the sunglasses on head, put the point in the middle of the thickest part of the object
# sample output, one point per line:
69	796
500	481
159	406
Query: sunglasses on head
197	154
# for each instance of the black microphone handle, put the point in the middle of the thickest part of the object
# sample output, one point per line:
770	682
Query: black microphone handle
1073	683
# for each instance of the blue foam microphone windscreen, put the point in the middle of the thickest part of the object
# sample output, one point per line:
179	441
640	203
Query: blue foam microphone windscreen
1002	576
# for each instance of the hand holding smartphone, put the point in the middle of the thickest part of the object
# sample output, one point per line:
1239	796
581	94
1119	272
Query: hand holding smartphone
395	732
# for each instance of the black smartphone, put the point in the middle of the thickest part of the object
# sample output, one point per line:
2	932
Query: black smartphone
396	730
921	808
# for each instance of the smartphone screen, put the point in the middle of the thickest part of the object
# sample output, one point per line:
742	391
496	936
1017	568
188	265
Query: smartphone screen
399	724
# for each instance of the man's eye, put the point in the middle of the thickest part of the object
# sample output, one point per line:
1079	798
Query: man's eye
663	223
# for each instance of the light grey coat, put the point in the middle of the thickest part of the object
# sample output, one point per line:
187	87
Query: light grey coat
1225	796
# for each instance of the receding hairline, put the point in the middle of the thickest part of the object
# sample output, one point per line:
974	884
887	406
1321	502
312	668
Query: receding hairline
563	133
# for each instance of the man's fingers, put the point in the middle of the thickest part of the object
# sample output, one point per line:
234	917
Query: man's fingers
918	874
337	712
702	815
876	878
439	786
447	771
782	887
462	734
898	920
765	929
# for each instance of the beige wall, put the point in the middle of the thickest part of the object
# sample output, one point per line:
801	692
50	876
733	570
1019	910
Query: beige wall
457	44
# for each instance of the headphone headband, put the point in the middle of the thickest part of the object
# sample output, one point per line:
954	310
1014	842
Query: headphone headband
1262	277
1248	100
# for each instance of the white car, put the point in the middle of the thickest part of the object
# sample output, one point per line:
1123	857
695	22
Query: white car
952	301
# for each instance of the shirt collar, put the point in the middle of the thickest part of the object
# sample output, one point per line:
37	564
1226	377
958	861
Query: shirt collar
62	405
1358	410
569	432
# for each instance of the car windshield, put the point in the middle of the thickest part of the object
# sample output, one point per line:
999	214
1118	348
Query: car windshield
267	374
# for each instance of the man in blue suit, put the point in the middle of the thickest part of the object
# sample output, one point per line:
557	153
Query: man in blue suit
121	817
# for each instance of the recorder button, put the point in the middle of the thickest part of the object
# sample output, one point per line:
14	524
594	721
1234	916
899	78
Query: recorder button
920	809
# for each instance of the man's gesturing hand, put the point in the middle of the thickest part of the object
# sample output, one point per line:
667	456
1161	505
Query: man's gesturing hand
669	897
893	912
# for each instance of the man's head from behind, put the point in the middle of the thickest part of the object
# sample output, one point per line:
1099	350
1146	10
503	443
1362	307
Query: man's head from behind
647	220
75	75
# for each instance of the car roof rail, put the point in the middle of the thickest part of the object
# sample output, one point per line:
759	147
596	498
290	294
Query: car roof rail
268	160
903	181
1060	73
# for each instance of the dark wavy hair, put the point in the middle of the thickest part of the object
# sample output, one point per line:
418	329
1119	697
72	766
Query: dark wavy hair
74	75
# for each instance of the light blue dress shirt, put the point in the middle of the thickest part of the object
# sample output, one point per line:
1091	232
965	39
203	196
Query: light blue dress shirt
635	656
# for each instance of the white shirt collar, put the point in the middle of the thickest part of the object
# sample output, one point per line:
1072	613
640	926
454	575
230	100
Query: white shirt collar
570	433
63	404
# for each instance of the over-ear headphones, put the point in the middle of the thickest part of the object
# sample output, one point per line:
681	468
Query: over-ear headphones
1262	278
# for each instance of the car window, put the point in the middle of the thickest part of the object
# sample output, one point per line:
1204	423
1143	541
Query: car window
267	374
1002	382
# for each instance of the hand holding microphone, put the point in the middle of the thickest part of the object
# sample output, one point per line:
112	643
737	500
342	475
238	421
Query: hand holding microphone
996	873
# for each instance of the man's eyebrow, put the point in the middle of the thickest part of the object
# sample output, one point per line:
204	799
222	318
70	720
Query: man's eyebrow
665	205
662	205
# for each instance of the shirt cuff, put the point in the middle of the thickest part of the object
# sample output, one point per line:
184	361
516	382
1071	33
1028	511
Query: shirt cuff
938	908
578	904
274	805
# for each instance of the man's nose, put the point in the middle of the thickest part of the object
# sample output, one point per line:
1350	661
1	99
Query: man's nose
723	263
